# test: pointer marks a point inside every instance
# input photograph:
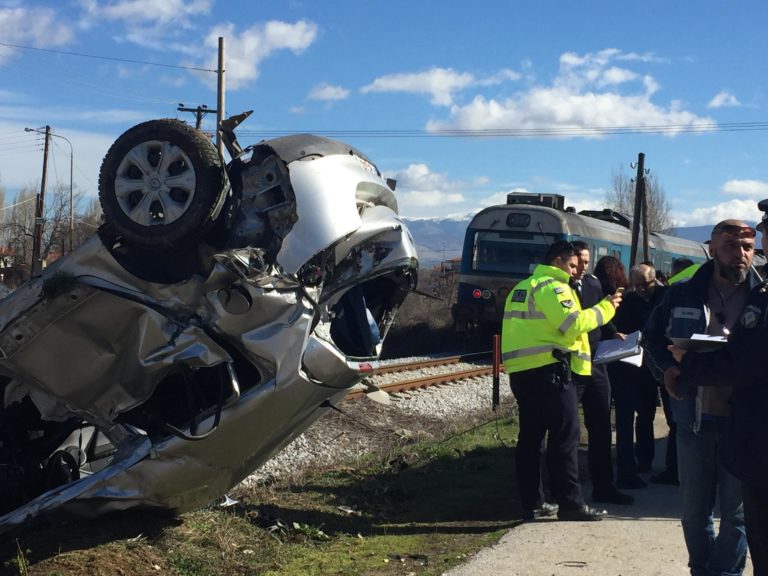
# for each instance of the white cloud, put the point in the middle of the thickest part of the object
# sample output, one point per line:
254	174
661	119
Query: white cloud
440	83
739	209
723	99
37	26
589	93
419	187
247	50
328	92
138	12
23	168
755	188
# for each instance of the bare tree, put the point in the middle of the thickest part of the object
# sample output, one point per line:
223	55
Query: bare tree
621	198
18	227
87	222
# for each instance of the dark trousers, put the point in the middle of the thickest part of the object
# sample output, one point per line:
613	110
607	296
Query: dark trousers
670	457
547	406
634	395
756	523
595	394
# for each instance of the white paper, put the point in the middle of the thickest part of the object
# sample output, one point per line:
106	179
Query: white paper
700	342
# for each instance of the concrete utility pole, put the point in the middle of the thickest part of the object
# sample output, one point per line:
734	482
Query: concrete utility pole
638	212
37	241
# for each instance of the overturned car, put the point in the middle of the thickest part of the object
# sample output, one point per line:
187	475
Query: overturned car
219	311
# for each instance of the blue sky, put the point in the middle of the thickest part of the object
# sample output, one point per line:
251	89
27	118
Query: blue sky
685	78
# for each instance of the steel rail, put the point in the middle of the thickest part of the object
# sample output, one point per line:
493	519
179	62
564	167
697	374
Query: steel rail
426	381
418	364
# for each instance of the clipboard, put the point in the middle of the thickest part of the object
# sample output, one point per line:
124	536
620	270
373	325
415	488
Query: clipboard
615	349
700	342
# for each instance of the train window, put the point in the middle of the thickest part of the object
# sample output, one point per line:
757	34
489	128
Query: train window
515	253
518	220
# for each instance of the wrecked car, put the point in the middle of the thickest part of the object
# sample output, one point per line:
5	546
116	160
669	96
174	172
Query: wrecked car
221	309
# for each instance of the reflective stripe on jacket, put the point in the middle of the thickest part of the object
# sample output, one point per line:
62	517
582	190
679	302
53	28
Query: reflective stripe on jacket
684	275
542	314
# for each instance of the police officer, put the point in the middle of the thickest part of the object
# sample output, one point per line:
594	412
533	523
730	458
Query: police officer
741	364
544	338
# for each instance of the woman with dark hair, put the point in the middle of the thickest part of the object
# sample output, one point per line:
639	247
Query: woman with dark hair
611	273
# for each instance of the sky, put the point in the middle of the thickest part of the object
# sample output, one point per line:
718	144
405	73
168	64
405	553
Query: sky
460	102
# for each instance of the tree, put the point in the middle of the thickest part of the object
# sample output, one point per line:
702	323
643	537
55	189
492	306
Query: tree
621	198
18	228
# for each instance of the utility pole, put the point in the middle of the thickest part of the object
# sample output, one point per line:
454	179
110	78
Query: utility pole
220	99
71	179
37	241
200	111
638	211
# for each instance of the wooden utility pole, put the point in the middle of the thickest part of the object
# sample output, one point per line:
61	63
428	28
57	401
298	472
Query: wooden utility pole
200	111
638	211
220	98
37	241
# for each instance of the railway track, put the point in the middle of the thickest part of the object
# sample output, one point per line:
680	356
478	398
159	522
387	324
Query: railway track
413	383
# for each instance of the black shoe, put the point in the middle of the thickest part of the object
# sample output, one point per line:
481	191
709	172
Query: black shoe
543	511
631	483
583	513
665	477
612	496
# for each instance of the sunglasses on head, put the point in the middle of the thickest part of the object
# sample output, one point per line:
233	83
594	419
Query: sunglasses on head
738	231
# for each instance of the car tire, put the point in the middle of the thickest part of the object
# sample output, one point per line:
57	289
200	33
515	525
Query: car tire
161	184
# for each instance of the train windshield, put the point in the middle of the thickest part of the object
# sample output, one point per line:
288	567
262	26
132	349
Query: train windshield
515	253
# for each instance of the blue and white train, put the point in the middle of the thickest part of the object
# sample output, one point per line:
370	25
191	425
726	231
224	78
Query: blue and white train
504	243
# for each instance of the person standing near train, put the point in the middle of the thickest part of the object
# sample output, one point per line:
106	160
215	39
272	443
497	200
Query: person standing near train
594	391
711	302
740	364
635	392
544	339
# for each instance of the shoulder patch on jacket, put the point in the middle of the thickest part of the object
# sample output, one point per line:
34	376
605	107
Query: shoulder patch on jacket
567	303
519	295
750	318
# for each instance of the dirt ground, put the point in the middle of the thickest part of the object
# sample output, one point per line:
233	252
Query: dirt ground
644	539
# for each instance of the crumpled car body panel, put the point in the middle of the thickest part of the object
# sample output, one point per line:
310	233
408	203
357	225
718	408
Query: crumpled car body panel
120	391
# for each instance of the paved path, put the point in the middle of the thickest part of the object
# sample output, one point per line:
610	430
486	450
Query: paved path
644	539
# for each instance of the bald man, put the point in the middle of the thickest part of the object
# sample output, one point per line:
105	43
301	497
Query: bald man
711	302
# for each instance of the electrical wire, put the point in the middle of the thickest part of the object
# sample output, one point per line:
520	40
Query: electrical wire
95	56
551	132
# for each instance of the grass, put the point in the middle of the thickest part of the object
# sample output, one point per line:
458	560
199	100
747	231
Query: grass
419	510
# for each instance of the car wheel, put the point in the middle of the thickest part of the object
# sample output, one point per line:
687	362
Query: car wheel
161	184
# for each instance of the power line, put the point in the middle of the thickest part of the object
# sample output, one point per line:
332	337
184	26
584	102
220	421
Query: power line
554	132
97	57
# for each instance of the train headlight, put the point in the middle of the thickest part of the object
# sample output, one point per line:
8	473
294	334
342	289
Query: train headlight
487	294
477	293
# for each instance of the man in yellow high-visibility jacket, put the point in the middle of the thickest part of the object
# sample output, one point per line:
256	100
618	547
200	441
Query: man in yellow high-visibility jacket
543	339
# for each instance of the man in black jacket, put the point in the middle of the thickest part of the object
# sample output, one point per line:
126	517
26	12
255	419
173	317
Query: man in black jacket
711	302
634	387
595	394
741	364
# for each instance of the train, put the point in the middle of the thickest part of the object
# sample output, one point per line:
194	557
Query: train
504	243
